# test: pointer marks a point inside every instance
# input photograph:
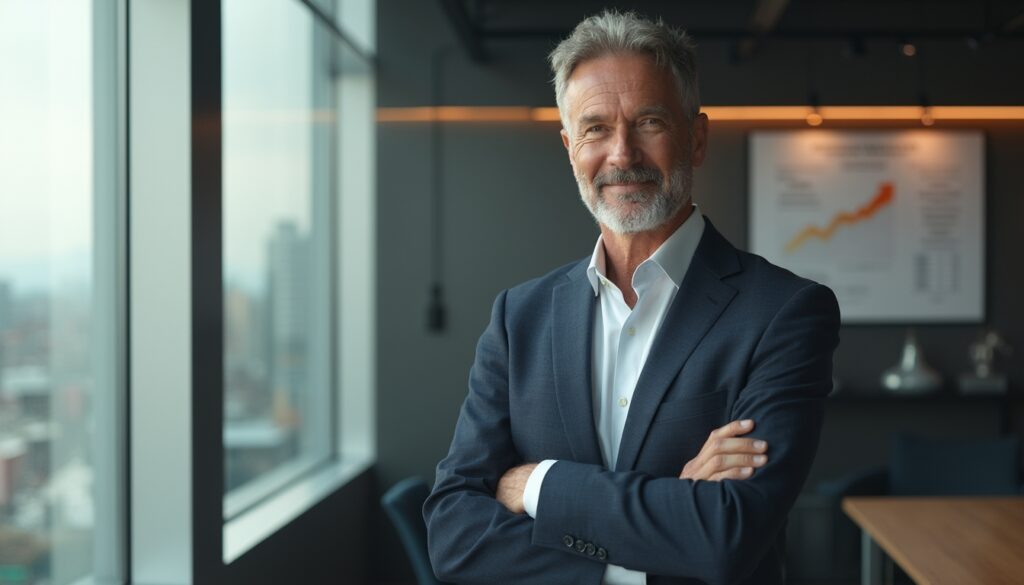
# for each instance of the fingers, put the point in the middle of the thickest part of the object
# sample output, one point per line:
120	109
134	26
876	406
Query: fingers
734	429
734	473
721	463
725	455
751	446
728	466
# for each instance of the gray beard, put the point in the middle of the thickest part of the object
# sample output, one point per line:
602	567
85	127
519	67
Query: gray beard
655	209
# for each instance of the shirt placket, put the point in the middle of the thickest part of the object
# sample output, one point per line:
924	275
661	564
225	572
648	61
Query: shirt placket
627	367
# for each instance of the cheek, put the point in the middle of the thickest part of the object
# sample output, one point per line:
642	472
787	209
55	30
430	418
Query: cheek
586	160
663	149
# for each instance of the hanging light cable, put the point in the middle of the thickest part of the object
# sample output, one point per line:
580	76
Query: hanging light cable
814	117
927	115
436	309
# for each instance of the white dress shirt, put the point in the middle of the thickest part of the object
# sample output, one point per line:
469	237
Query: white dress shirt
622	340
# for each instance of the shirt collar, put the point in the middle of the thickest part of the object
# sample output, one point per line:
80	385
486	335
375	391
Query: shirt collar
673	256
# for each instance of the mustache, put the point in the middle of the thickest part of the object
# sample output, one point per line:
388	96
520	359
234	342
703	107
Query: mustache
628	176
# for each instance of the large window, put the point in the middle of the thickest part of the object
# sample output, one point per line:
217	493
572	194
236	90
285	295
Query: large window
297	243
155	187
277	179
60	455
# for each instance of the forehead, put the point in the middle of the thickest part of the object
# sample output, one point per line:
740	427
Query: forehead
626	81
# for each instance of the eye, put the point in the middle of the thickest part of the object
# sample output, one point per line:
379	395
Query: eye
594	129
651	123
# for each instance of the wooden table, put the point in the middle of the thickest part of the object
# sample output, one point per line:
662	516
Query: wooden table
940	541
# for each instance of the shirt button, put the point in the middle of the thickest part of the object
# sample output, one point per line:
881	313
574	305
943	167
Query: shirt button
623	402
631	331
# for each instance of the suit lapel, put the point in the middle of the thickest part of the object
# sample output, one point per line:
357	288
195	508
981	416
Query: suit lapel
701	299
572	328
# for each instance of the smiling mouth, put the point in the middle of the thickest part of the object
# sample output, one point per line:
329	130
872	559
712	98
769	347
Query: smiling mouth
627	185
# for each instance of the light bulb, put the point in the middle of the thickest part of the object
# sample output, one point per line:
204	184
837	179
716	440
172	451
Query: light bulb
927	118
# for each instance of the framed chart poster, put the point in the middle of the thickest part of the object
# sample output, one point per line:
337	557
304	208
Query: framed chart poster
892	221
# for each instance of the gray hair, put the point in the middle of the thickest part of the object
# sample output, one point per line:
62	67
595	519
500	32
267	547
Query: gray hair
625	32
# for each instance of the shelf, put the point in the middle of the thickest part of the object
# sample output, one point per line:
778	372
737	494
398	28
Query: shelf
944	396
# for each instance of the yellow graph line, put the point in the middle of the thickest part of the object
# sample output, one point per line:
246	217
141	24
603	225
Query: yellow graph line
880	200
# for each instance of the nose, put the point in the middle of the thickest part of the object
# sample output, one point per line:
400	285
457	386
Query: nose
624	153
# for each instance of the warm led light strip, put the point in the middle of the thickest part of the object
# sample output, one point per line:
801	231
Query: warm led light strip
718	113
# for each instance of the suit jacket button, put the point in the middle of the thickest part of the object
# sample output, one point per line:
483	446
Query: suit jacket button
580	545
590	549
568	540
601	553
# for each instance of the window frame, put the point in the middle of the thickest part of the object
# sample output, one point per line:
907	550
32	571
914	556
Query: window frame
176	302
110	258
161	478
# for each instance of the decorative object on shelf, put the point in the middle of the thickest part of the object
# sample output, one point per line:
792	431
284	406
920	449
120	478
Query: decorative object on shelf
912	375
984	379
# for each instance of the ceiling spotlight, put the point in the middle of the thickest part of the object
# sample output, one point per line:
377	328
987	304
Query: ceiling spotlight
909	50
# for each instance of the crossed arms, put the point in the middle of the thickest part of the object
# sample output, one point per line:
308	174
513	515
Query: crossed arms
715	531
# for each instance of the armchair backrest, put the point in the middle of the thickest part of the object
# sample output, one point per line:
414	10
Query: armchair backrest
404	505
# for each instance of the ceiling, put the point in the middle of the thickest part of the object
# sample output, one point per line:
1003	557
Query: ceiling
748	24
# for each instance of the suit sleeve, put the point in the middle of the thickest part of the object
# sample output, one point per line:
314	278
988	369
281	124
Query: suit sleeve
473	538
717	532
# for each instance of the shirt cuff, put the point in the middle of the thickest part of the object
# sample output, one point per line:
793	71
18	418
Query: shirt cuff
531	495
616	575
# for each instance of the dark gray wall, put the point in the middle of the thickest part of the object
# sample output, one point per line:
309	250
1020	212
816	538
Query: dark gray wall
327	544
511	212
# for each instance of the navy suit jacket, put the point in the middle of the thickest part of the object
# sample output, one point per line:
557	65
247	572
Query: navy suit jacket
742	339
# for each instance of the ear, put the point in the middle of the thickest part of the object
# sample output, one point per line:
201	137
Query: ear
566	143
699	148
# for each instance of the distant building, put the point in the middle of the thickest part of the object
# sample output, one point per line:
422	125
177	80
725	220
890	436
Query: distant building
288	305
267	349
6	320
251	448
247	389
6	305
12	453
28	387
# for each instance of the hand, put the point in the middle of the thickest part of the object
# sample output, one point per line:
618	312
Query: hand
726	457
512	485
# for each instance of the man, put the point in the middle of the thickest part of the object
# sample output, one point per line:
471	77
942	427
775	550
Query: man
595	444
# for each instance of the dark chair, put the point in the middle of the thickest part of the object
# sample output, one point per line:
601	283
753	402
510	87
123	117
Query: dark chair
923	467
404	505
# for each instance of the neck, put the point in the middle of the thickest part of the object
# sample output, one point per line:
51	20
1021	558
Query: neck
624	252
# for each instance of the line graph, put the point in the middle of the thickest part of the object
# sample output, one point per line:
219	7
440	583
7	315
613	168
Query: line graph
893	221
882	198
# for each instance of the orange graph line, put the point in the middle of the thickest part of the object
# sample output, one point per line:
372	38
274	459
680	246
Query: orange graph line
880	200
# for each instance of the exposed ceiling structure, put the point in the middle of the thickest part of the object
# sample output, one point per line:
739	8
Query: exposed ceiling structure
748	24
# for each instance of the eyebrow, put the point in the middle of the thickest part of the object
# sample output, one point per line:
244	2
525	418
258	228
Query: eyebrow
660	111
588	119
